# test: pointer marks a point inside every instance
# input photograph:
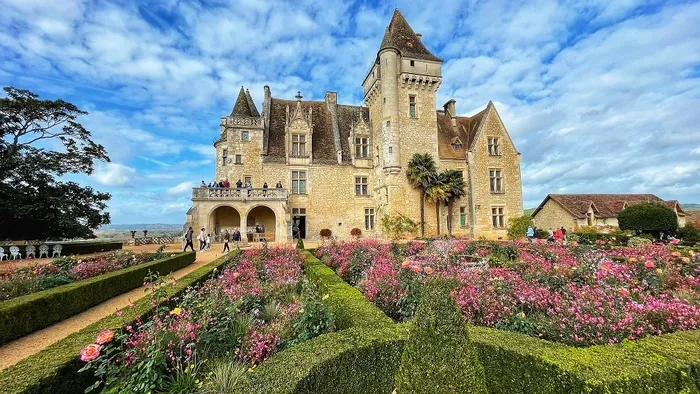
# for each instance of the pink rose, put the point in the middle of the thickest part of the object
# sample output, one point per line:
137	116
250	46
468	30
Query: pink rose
90	352
405	264
649	264
428	270
416	269
104	337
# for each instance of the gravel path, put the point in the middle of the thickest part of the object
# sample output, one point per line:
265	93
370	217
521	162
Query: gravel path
15	351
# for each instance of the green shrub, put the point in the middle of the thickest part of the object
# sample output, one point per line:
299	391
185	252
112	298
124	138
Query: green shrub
689	233
398	225
300	244
636	241
647	217
325	233
23	315
518	226
438	356
54	370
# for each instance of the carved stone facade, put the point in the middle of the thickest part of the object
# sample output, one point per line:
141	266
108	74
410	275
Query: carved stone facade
343	166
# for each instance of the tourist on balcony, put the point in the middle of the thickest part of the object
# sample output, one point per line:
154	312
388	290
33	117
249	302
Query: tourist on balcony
249	187
265	189
202	238
236	237
227	237
203	184
279	185
239	184
215	185
188	239
227	184
221	184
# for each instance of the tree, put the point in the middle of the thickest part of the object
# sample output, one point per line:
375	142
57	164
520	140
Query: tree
647	217
439	356
421	174
518	226
438	193
33	203
456	189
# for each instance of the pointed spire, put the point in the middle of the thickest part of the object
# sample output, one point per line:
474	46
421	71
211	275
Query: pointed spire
400	36
244	105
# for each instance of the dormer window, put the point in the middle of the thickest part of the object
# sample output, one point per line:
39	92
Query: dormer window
298	145
361	147
456	144
245	135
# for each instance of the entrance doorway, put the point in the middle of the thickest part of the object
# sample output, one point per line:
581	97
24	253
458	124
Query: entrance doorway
298	223
261	224
222	219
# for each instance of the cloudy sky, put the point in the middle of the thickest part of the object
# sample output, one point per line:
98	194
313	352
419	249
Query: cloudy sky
599	96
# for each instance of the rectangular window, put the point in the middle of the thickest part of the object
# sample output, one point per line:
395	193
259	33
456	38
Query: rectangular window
299	211
298	182
239	159
494	146
412	106
463	216
361	186
496	181
369	218
298	145
245	135
413	63
224	157
497	218
247	179
361	147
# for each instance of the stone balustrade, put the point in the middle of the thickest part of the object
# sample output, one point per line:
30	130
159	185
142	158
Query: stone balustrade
231	193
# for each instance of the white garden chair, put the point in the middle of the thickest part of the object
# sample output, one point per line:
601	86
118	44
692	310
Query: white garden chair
57	250
2	254
30	251
14	252
44	250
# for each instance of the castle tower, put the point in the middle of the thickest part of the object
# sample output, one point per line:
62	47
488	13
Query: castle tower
400	93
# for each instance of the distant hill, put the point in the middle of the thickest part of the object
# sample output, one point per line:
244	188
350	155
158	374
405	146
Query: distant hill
691	207
142	226
529	211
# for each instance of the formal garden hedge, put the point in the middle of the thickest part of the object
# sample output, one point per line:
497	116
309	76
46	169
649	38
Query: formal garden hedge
25	314
54	370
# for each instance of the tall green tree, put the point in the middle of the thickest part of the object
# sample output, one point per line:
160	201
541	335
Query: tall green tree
421	174
648	217
40	141
455	188
438	192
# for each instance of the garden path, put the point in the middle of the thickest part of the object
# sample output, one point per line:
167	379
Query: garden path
19	349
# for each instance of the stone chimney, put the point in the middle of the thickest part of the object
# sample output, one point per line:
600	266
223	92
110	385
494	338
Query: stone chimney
420	37
267	100
450	108
332	105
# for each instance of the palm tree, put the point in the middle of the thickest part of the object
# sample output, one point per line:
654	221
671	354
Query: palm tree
455	189
421	174
438	192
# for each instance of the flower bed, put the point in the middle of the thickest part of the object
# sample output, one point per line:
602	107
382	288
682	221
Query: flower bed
66	270
258	305
574	295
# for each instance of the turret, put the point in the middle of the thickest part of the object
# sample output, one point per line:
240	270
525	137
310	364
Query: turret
389	65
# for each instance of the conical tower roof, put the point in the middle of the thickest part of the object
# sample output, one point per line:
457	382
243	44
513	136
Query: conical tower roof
244	105
399	35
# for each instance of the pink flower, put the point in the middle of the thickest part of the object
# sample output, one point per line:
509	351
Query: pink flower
416	268
649	264
405	263
428	270
90	352
104	337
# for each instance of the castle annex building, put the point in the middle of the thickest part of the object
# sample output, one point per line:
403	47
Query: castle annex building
344	166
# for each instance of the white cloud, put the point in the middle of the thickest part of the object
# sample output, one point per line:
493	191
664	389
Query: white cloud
181	188
113	174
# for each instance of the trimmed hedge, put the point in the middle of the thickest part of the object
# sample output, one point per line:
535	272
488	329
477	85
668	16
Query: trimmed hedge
23	315
54	370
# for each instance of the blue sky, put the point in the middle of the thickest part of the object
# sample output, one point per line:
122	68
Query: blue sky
599	96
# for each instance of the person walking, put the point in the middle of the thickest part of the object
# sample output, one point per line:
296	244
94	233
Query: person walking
208	246
202	238
558	236
563	235
236	238
550	235
227	237
530	234
188	240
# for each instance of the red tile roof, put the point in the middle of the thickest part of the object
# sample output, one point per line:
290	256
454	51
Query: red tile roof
604	205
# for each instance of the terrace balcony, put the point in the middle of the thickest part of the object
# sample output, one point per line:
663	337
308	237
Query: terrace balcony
235	194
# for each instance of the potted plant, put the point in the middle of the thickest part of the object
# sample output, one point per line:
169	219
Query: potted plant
356	233
325	233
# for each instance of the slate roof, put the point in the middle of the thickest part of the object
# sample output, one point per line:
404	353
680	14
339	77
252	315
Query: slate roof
465	129
244	105
323	141
604	205
401	36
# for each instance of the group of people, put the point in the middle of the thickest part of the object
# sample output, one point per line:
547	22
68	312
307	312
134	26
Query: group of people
205	240
239	185
558	235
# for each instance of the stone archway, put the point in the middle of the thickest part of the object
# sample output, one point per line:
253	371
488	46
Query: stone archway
262	216
223	218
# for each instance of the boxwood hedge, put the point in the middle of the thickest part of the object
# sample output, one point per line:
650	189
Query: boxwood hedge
54	370
22	315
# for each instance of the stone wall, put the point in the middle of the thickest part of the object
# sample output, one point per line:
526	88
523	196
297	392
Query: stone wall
553	216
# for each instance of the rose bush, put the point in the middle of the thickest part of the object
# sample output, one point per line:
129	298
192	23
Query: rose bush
578	295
